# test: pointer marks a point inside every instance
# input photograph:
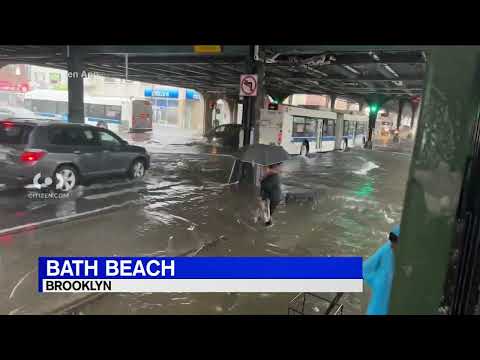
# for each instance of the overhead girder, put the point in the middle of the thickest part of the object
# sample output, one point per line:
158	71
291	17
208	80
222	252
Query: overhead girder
179	66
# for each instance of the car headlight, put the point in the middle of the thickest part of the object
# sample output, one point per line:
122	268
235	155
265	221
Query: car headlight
214	139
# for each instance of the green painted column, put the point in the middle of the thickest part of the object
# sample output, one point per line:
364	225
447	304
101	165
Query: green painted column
450	105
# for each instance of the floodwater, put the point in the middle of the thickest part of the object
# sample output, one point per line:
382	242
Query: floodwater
339	203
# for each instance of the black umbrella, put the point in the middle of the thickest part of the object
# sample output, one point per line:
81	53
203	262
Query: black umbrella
262	154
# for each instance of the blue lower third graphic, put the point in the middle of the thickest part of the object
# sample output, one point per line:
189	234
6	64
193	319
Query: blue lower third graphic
202	274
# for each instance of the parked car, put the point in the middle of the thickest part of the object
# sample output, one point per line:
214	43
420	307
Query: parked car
225	135
76	152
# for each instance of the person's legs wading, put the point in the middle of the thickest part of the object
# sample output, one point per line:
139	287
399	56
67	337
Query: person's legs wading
272	206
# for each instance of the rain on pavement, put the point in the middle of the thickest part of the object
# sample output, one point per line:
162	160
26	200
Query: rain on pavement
339	203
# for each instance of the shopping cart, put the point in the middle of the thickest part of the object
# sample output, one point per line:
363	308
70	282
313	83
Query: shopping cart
310	304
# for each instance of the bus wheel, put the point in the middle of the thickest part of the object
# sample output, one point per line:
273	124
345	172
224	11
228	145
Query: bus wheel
304	150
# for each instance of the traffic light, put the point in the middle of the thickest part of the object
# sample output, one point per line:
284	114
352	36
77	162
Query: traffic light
374	108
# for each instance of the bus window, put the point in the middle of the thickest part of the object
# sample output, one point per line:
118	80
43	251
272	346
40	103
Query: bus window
62	107
360	129
328	128
351	128
310	127
298	127
95	110
113	112
44	106
346	125
28	104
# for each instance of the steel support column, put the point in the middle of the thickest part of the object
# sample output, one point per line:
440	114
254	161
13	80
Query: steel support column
207	118
76	113
442	145
232	106
401	103
415	108
378	101
372	118
333	98
259	99
253	104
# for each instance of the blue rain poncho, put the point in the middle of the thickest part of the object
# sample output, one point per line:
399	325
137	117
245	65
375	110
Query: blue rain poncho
378	273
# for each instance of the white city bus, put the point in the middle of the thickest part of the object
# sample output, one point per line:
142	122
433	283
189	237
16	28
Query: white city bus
112	112
302	131
354	129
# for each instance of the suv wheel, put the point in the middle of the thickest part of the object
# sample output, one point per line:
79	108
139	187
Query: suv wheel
66	178
137	170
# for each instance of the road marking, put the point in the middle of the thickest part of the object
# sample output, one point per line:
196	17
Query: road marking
231	172
63	218
112	193
192	153
209	170
13	312
19	282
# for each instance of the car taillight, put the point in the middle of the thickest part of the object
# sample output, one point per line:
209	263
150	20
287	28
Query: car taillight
29	157
8	124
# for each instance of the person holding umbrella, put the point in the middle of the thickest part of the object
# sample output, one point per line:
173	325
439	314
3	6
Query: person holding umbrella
270	158
270	192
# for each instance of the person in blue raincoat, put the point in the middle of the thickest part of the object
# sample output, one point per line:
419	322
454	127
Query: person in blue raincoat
378	271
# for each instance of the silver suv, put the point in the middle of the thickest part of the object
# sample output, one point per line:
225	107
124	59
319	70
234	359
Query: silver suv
64	154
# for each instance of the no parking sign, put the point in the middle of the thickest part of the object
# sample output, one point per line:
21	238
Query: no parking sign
248	85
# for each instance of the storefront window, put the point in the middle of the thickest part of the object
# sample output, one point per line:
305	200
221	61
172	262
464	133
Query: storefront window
172	103
165	110
162	103
172	116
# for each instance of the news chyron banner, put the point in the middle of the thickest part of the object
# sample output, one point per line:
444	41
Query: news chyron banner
200	274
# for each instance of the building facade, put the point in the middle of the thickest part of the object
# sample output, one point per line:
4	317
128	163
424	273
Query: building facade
14	82
171	106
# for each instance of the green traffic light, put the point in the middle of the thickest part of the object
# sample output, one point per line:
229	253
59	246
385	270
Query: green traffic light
374	108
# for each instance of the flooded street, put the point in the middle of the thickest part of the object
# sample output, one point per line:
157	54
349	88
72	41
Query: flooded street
357	196
338	203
